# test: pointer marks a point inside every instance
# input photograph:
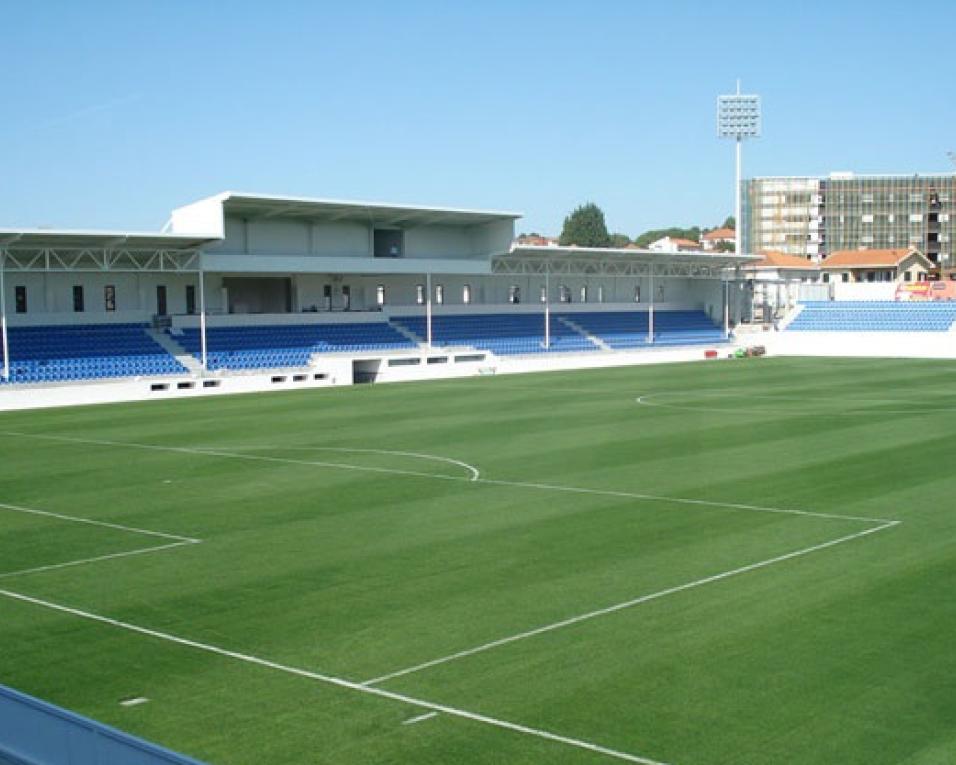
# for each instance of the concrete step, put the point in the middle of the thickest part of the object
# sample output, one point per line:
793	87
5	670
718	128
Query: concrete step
584	333
175	349
406	332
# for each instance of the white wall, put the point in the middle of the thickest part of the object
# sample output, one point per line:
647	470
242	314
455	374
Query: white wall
50	296
351	239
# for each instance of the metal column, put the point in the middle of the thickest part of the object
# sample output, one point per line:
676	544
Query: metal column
547	305
428	309
3	319
726	309
202	317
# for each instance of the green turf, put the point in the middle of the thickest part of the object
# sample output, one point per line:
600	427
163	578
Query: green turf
321	555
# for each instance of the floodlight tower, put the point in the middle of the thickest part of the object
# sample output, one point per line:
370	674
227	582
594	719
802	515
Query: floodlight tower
738	117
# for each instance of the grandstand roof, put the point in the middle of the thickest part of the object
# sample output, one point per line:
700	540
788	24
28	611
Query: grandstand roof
258	206
79	239
721	259
870	258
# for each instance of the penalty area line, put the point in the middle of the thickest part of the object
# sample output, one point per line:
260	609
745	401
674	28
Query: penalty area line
624	605
337	681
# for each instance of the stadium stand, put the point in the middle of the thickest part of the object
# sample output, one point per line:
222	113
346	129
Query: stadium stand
874	316
503	334
264	347
621	330
86	352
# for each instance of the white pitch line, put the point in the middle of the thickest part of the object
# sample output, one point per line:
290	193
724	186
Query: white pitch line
475	472
237	455
110	556
442	477
91	522
420	718
338	681
626	604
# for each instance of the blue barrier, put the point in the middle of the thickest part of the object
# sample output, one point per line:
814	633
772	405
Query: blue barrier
33	732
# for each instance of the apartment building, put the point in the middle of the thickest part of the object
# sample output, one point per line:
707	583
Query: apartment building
812	217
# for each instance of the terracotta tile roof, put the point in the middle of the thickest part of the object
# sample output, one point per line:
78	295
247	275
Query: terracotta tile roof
780	260
685	242
719	233
867	258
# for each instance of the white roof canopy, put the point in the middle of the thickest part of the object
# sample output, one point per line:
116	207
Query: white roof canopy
265	206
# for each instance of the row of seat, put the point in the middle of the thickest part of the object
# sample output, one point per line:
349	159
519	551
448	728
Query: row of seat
287	345
98	351
61	353
881	316
524	333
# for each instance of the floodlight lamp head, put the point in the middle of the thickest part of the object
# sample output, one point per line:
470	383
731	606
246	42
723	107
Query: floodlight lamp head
738	116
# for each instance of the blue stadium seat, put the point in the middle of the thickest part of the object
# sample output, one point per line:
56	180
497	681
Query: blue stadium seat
59	353
288	345
874	316
513	334
623	330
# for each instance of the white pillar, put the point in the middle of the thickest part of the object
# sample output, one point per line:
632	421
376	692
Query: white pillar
202	317
738	224
3	318
726	309
428	309
547	305
650	313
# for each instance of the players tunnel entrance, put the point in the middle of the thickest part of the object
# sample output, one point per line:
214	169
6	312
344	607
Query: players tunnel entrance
365	370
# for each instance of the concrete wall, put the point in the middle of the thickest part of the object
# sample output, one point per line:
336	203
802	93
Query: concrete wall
351	239
50	296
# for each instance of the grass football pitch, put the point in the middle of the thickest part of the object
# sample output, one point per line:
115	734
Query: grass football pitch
738	562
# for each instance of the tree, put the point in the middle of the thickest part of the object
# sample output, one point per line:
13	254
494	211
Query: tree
585	227
620	240
731	222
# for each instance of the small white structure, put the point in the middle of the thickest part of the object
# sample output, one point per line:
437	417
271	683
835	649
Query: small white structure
719	236
673	244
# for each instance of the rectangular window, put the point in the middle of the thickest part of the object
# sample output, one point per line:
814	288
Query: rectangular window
584	294
109	297
544	294
388	243
161	300
514	294
564	293
420	294
600	293
845	277
78	298
346	297
190	299
380	294
637	294
439	294
327	297
907	276
466	294
20	297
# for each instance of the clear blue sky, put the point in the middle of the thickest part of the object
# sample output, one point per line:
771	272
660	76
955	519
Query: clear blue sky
114	113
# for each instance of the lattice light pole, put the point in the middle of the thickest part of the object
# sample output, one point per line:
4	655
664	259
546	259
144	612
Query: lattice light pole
738	117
